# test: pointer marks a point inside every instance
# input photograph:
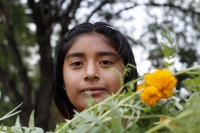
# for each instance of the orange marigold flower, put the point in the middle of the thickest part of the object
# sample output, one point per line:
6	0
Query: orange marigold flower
163	80
162	119
150	95
172	123
139	87
158	85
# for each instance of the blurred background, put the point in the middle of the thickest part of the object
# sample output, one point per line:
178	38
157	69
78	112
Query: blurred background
30	30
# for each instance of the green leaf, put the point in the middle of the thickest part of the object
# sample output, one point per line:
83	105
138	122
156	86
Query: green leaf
165	28
192	73
89	100
17	123
8	130
82	128
31	120
88	118
1	128
37	130
168	37
166	50
164	35
166	64
178	105
17	127
27	130
199	28
10	113
116	122
98	129
193	83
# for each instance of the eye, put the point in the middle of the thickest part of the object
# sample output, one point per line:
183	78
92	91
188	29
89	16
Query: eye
77	63
106	62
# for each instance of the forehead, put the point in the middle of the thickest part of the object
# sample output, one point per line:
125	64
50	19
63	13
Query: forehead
92	36
91	41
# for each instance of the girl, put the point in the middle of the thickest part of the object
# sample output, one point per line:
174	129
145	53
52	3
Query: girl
81	60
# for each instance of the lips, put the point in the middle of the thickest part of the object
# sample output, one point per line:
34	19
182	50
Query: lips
93	90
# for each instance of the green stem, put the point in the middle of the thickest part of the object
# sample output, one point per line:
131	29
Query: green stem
141	117
147	117
121	102
192	73
160	126
113	96
126	99
96	105
186	70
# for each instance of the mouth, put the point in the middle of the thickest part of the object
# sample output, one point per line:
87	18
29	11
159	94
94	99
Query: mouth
93	90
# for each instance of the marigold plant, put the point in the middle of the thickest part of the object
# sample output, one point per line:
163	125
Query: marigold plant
150	95
158	85
128	111
139	87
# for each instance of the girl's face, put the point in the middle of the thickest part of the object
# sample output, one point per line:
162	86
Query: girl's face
85	67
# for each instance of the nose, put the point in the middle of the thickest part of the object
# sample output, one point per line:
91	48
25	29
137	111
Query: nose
91	72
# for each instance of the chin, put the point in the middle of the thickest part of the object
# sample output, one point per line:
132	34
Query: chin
98	100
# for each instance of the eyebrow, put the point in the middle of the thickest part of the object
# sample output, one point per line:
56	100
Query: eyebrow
107	53
75	54
102	53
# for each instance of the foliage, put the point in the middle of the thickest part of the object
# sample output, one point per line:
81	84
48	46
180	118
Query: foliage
124	112
31	28
17	128
10	113
168	51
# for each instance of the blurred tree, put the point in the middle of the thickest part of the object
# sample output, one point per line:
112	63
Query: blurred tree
30	29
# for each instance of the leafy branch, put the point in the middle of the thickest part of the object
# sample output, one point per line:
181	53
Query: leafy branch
170	50
126	112
10	113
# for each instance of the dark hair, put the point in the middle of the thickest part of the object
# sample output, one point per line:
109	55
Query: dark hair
117	40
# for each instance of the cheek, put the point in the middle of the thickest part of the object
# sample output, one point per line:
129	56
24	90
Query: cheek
70	76
112	79
116	84
69	84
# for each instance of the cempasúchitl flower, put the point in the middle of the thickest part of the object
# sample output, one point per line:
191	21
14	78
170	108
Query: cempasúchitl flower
139	87
164	120
158	85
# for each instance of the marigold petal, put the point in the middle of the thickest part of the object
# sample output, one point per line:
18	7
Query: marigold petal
139	87
150	95
162	119
163	80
